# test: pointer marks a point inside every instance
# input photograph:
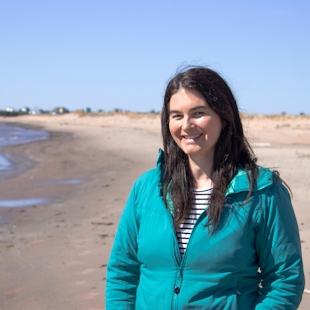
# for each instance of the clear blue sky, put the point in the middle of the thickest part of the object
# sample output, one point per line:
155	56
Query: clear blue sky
120	54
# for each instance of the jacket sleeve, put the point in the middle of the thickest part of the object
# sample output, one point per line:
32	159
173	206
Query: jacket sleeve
123	269
279	251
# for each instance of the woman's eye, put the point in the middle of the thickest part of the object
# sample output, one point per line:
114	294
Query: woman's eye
176	116
198	113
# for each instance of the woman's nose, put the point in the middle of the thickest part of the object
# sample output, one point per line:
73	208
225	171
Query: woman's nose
187	123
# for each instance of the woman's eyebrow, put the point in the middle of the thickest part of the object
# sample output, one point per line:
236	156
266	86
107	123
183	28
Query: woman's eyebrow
192	109
174	111
198	107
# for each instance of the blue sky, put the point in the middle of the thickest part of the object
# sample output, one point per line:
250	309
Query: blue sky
120	54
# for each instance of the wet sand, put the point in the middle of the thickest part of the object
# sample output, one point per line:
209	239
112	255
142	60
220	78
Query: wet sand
53	255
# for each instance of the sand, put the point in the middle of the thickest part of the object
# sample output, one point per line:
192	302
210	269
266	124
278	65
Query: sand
53	255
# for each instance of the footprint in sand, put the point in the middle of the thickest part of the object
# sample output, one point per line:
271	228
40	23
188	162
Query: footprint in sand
84	253
86	271
80	283
92	295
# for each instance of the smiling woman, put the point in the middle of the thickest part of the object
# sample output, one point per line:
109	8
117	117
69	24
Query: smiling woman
195	127
208	228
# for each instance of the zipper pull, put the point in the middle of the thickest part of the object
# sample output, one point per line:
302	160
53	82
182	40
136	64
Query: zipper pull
176	290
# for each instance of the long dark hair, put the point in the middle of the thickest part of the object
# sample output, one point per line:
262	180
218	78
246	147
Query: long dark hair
232	150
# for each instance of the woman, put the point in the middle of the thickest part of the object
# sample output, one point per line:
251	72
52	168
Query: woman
208	228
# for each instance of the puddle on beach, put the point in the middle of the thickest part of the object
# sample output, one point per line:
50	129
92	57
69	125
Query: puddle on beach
15	203
73	181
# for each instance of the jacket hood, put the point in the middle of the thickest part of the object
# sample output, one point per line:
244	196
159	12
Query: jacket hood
238	184
160	164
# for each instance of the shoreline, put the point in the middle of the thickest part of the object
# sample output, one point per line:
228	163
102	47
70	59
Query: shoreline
17	163
65	244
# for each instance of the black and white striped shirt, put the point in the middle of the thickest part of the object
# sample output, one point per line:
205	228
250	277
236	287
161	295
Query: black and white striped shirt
201	200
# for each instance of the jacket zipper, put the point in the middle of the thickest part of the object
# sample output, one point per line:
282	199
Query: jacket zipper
181	261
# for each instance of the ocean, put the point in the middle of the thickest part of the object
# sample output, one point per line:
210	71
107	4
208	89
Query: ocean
11	135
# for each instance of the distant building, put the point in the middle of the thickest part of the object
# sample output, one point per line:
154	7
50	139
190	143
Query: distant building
24	110
116	110
60	110
87	110
36	111
10	109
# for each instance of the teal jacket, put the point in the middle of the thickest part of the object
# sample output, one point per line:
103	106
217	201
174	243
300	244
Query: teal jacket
217	271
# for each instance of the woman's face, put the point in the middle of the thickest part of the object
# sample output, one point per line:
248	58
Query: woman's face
194	126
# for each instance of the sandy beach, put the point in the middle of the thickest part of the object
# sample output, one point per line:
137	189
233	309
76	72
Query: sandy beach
53	254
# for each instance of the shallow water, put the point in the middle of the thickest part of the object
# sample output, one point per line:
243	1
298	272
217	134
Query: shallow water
5	164
16	203
23	202
69	182
12	135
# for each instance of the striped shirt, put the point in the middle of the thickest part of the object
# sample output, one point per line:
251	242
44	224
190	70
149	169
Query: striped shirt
201	200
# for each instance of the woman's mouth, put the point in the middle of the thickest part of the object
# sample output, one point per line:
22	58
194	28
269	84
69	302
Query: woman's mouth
192	137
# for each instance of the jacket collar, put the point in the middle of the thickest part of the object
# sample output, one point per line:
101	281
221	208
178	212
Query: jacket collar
160	164
238	184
